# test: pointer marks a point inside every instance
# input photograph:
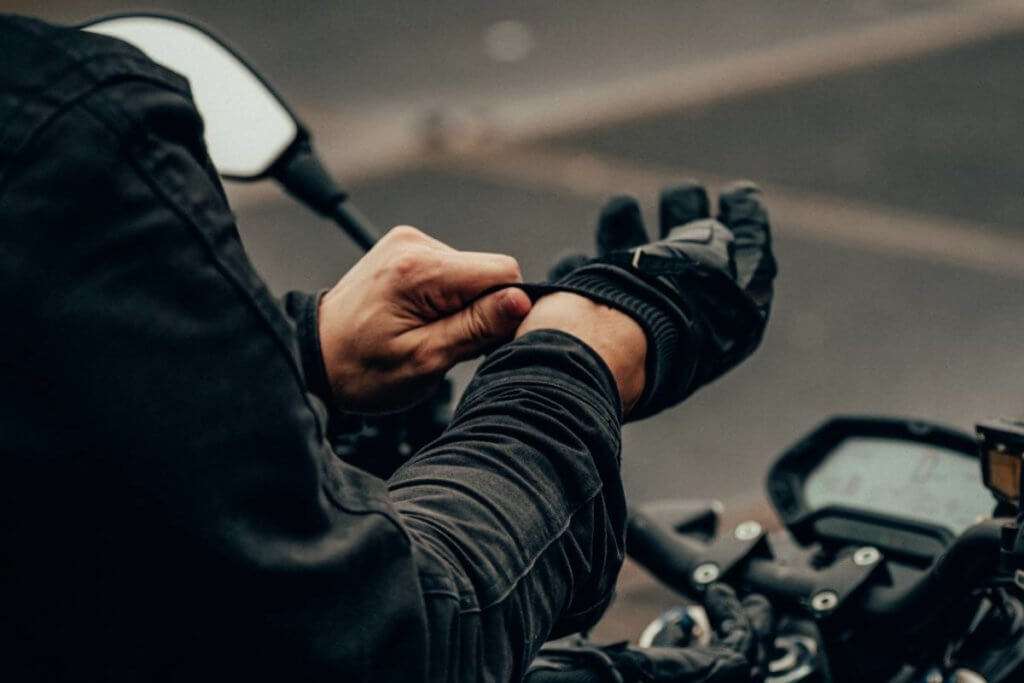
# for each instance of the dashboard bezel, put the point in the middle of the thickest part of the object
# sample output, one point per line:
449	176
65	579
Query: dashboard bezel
844	526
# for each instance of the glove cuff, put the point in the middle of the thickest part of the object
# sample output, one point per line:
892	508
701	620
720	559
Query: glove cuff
671	353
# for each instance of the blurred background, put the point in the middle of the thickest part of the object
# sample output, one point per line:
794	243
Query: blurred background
886	133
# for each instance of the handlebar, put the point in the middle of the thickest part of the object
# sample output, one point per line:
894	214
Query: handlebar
662	539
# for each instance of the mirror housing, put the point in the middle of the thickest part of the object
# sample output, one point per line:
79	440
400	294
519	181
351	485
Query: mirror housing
250	131
248	126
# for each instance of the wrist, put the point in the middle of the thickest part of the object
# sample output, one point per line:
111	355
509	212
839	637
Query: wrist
615	337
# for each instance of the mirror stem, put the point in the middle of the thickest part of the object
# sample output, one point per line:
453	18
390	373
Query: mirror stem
355	224
303	175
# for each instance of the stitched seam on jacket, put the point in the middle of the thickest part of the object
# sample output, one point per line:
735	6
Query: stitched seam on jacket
514	584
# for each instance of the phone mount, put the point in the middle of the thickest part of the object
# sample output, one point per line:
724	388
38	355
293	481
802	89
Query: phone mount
1001	449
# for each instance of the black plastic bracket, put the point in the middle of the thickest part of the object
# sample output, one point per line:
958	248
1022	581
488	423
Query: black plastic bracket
838	582
680	543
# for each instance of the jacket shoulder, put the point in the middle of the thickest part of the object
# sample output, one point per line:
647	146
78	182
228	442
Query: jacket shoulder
45	68
34	54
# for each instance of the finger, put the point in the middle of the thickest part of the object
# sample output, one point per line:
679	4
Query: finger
740	206
742	210
620	226
762	620
566	265
681	204
760	615
485	323
725	612
464	275
410	234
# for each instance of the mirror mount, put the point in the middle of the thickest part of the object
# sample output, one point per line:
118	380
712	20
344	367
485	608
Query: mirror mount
303	175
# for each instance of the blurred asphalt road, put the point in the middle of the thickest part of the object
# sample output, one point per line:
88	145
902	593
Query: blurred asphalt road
923	149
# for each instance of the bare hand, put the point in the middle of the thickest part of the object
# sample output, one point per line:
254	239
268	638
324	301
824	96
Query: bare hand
407	312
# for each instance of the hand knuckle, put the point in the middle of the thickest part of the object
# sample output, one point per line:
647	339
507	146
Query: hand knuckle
412	264
404	264
426	360
405	233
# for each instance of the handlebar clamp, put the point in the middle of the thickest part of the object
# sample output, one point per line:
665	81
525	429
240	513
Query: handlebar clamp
657	539
677	542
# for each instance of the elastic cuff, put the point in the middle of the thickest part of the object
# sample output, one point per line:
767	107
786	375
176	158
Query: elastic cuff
623	291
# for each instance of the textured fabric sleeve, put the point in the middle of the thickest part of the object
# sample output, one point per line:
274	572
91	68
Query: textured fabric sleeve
517	512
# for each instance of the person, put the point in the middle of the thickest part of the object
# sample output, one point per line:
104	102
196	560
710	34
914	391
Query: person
171	508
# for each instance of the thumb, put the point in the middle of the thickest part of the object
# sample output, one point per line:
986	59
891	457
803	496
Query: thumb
488	321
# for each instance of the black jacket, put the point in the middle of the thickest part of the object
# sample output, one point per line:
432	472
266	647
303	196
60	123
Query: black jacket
169	506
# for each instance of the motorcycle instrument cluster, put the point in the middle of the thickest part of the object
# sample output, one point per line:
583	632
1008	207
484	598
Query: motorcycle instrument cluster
905	486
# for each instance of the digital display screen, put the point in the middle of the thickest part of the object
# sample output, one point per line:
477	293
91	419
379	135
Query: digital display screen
916	481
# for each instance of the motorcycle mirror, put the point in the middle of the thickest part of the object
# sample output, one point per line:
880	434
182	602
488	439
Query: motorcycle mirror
248	127
250	132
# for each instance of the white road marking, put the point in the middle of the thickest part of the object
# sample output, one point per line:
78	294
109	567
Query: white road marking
363	147
804	215
818	56
370	143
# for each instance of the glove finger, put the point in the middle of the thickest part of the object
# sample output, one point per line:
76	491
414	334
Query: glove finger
742	210
762	620
725	612
565	265
681	204
761	616
740	205
620	226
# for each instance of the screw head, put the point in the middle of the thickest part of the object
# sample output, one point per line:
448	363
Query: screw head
866	556
706	573
747	531
824	601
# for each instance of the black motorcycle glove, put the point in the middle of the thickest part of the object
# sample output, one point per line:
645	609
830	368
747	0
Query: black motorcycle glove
738	654
702	293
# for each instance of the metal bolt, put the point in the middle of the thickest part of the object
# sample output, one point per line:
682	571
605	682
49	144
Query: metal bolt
706	573
747	531
866	556
824	601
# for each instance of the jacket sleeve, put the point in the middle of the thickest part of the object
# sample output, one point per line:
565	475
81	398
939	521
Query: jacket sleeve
516	512
229	529
303	309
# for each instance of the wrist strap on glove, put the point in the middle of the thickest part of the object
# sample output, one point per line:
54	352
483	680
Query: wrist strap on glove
694	334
